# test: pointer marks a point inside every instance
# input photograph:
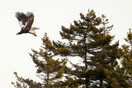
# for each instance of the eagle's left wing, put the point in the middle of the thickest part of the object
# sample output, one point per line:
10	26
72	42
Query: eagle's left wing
29	22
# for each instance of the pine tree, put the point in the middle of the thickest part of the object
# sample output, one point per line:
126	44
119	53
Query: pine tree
25	83
49	69
127	57
90	39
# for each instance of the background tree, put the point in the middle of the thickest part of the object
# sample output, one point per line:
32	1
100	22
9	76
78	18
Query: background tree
90	39
127	57
48	68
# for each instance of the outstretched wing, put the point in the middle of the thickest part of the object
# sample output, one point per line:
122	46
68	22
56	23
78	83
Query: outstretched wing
29	22
22	18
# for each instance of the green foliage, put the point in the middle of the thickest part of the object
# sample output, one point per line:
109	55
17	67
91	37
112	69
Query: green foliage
129	37
127	57
25	83
50	68
90	39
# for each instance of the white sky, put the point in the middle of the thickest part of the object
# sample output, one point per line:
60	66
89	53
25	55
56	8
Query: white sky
50	15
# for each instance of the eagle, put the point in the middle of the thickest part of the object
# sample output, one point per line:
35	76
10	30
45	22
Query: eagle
26	21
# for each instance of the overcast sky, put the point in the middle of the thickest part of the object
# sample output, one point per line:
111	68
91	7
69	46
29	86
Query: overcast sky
50	15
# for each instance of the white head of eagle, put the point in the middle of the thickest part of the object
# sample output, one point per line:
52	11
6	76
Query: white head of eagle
26	21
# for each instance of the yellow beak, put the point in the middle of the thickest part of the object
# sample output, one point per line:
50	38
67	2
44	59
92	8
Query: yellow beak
17	34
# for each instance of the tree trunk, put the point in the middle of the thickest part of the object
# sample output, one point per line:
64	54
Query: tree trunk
85	59
85	55
47	85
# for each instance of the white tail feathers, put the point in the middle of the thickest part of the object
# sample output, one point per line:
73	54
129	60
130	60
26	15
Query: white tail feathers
34	28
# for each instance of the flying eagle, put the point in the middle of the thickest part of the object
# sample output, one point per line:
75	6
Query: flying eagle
26	21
